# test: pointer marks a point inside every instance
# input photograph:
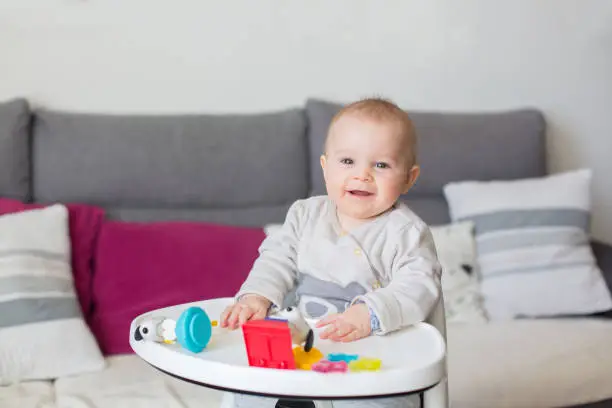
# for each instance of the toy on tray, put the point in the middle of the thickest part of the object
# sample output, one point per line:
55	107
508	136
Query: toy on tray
305	359
365	364
269	343
326	366
192	330
158	329
301	333
342	357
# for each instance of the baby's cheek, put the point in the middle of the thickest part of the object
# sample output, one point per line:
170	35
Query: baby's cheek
392	188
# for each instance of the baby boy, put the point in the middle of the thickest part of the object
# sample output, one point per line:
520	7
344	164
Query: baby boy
358	259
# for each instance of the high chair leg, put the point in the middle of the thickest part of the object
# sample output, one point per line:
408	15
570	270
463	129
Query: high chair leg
228	400
437	396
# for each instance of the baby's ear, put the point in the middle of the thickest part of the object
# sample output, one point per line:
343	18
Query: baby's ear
413	175
323	160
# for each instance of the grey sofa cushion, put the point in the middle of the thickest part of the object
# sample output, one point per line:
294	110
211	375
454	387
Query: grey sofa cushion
454	146
14	149
432	209
248	216
186	161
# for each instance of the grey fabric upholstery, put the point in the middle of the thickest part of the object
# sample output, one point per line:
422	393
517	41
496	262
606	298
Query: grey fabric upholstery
453	147
14	149
250	216
432	209
189	161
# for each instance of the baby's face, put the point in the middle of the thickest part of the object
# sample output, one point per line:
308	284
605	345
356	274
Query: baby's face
367	166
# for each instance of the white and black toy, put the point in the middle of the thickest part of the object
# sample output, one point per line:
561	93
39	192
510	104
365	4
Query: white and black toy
158	329
301	333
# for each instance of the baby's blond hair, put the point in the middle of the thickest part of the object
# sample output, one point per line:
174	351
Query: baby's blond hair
383	110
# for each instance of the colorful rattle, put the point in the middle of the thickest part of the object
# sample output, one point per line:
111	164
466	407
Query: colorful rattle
192	330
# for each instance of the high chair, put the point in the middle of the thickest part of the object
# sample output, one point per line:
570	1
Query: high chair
413	361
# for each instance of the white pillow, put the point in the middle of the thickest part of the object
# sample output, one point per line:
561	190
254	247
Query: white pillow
42	332
457	255
533	245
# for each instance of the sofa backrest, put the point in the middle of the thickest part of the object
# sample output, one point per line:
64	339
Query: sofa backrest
239	169
236	169
15	149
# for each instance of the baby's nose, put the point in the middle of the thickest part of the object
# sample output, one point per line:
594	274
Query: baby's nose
363	174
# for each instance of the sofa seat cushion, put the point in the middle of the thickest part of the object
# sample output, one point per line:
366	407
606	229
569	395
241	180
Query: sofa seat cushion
129	382
30	394
530	363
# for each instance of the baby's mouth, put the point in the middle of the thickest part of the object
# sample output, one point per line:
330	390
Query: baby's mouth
360	193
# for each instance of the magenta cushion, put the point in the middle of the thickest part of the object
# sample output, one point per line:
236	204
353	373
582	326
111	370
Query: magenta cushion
84	224
144	266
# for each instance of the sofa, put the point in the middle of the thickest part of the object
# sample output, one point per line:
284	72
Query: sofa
146	211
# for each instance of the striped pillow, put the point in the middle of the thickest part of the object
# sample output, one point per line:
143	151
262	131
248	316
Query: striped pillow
42	332
533	244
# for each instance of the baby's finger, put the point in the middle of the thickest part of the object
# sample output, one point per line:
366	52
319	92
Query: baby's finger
327	333
350	336
327	320
225	315
330	331
245	314
259	314
342	330
232	321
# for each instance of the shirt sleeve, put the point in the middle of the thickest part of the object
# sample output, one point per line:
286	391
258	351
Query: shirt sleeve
274	272
414	288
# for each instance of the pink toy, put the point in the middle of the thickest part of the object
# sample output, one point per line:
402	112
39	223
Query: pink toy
326	366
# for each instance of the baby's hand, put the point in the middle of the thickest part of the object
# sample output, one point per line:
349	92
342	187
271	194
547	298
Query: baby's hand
351	325
249	307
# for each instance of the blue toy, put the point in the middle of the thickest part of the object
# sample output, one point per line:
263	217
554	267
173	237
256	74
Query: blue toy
335	357
193	329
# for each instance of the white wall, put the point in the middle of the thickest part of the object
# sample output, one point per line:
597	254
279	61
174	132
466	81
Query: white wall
179	56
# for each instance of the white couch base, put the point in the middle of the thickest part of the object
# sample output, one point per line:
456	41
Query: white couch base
530	363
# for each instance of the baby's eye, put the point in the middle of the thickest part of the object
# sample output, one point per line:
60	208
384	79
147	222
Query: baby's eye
382	165
346	161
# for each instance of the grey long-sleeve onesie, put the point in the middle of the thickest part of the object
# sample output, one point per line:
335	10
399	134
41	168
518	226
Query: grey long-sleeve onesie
390	263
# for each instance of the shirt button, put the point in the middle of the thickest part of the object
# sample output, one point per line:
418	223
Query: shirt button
357	251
